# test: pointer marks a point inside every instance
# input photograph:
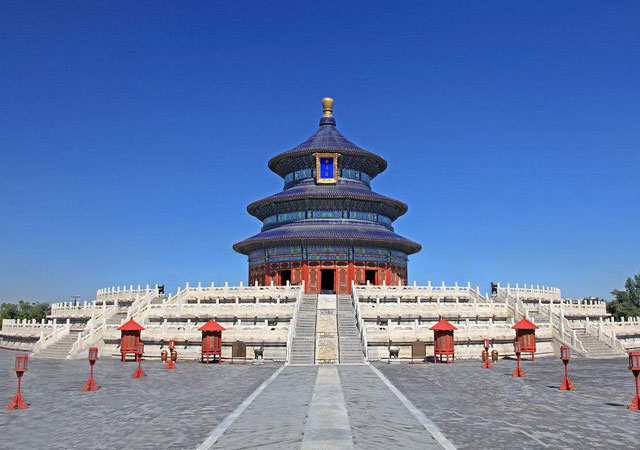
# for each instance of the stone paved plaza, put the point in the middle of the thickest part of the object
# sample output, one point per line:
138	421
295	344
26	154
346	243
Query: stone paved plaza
319	406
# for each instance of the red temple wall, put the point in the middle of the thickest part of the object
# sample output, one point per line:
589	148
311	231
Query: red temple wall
345	273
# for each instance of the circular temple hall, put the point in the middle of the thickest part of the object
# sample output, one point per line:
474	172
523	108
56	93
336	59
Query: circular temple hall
327	227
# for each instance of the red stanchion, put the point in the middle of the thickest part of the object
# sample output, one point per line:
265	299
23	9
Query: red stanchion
518	350
634	366
21	367
172	358
566	385
139	352
486	364
91	383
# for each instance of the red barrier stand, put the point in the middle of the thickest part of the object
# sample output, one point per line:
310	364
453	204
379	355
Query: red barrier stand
518	350
634	366
172	346
526	336
130	336
139	352
566	385
211	341
21	367
91	383
443	341
487	363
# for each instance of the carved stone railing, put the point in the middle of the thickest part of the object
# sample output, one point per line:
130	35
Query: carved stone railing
360	323
59	331
24	327
560	327
428	291
607	331
544	292
371	309
120	293
71	309
292	324
94	329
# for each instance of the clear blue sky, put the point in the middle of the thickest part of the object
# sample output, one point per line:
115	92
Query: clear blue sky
134	134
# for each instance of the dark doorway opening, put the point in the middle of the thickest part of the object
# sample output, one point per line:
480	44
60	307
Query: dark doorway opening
327	280
285	276
370	276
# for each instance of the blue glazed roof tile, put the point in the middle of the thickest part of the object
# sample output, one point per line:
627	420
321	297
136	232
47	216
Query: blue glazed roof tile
309	189
352	231
327	138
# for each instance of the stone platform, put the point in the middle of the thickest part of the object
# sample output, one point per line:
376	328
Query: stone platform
359	406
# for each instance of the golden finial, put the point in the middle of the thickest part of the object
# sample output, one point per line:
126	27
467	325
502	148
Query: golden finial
327	106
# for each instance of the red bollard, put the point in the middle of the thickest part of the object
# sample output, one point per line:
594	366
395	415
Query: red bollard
634	366
487	363
91	383
139	352
172	346
21	367
566	385
516	348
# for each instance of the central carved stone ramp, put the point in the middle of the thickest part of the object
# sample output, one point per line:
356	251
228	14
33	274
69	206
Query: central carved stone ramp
349	345
59	349
303	345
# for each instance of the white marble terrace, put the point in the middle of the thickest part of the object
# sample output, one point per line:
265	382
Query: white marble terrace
265	316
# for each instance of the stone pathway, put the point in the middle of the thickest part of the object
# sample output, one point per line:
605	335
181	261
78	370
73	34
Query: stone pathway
328	422
326	407
378	418
276	418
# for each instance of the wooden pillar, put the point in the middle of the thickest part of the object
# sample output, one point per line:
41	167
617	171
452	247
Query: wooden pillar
305	276
352	276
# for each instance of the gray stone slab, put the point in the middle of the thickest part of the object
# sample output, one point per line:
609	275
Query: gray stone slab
378	418
328	423
478	408
276	419
169	409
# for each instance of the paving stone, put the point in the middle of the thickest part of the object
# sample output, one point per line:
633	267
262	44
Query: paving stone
378	418
169	409
276	419
478	408
474	408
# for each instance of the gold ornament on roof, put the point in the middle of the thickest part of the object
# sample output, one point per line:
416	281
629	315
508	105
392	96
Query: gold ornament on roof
327	106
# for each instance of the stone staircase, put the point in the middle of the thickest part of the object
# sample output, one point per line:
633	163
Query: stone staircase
303	345
118	317
594	347
349	345
537	317
59	349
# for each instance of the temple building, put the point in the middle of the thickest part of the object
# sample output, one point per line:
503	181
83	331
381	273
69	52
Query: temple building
327	227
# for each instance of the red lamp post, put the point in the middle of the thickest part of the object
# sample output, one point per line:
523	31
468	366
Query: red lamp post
172	346
566	385
487	363
139	352
518	350
634	366
91	383
21	367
